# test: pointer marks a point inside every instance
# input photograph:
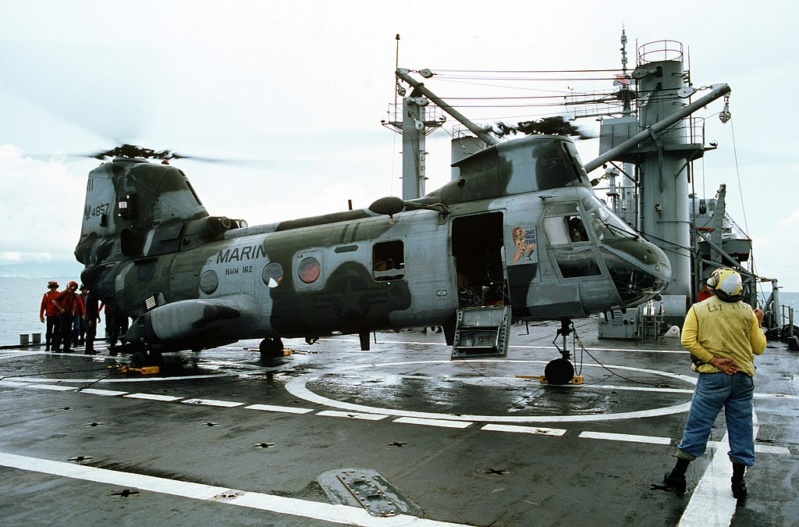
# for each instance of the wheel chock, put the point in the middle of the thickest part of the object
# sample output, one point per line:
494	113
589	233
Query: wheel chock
146	370
576	379
541	378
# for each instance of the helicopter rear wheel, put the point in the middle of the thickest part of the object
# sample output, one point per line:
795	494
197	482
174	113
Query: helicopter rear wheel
156	358
143	358
559	371
138	359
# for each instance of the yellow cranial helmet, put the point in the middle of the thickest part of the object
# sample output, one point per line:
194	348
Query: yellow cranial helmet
725	280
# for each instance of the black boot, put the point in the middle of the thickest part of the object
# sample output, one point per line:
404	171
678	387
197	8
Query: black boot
738	483
675	479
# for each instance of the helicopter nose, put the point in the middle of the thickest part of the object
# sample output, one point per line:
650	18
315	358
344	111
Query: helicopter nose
639	269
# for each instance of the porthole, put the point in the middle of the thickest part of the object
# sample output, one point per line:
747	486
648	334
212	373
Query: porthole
272	274
309	270
209	281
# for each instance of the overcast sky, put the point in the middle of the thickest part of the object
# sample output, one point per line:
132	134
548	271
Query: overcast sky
301	87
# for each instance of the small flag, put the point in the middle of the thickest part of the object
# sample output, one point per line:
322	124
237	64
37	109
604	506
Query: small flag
621	79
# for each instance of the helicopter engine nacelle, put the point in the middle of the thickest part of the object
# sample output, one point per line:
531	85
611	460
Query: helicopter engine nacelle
190	319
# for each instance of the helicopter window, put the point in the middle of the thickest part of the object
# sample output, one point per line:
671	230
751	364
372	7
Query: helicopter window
388	260
554	209
605	223
272	274
577	263
191	189
556	228
127	207
209	281
633	284
309	270
576	229
555	165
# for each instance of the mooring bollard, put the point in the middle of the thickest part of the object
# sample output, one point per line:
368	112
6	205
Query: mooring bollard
37	338
23	339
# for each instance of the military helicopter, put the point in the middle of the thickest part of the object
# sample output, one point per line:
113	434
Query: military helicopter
519	229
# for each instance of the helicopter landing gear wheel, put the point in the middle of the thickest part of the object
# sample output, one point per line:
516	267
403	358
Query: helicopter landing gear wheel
271	348
156	358
559	371
138	359
142	358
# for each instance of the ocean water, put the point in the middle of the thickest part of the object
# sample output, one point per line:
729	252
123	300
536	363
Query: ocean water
20	313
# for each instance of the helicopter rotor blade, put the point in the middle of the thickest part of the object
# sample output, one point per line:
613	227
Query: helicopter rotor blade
134	151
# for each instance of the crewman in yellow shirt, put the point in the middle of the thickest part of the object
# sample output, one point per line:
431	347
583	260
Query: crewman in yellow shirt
723	335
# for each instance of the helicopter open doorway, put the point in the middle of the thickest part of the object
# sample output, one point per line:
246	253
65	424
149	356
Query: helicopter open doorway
484	311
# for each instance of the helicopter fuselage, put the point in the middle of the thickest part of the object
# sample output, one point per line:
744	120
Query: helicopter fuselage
520	226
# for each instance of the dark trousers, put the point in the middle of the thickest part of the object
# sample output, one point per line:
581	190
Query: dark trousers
64	333
51	331
91	333
118	329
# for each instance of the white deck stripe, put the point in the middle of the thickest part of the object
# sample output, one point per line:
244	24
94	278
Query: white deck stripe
107	393
768	449
13	384
53	387
629	438
153	397
212	402
352	415
655	440
340	514
537	430
273	408
433	422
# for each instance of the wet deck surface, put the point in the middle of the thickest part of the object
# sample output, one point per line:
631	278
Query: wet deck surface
225	438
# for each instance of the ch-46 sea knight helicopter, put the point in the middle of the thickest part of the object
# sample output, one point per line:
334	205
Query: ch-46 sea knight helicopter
519	231
520	228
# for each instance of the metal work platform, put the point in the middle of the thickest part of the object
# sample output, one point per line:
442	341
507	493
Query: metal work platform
481	332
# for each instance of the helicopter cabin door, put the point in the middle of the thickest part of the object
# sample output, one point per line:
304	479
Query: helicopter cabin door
484	312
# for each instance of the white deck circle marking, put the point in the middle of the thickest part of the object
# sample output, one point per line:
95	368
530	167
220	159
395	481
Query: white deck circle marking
298	388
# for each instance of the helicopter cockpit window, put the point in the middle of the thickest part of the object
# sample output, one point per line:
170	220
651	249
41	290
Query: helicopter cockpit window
556	230
567	236
188	184
563	234
388	260
577	231
556	166
577	263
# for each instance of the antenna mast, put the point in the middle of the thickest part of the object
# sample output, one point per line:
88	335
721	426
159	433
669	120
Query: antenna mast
624	94
416	119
